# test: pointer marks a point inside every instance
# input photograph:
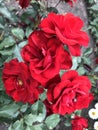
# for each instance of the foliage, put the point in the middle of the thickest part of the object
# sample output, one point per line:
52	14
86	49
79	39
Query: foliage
93	20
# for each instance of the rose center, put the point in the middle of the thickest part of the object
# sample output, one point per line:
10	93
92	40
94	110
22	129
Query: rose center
19	82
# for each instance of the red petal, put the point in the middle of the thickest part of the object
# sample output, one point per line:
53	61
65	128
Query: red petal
75	50
69	75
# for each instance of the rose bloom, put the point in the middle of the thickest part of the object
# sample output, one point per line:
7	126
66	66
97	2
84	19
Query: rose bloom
24	3
18	82
45	56
71	2
79	123
96	60
70	94
48	105
68	28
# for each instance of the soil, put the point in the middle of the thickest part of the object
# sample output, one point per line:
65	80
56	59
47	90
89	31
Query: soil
79	9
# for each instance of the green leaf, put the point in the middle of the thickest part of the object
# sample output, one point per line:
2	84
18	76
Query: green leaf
30	119
76	61
43	96
44	126
28	31
34	127
1	61
38	113
18	125
10	127
37	127
5	12
30	13
62	72
7	42
18	33
2	20
24	108
9	111
1	26
95	7
9	58
22	44
52	9
17	53
4	99
78	112
67	123
96	69
81	70
7	51
35	4
86	60
88	51
4	58
39	109
52	121
28	128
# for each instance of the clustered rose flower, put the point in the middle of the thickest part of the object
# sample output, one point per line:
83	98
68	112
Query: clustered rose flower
68	29
96	60
18	82
49	50
79	123
70	94
24	3
71	2
45	56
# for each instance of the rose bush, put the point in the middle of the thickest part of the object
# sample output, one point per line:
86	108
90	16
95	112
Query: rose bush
18	82
45	79
70	94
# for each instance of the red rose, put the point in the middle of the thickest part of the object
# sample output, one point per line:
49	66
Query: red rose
24	3
79	123
18	82
45	56
48	105
96	60
70	94
68	29
71	2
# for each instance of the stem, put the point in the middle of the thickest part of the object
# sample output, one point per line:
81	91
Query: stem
1	36
47	3
57	3
21	114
